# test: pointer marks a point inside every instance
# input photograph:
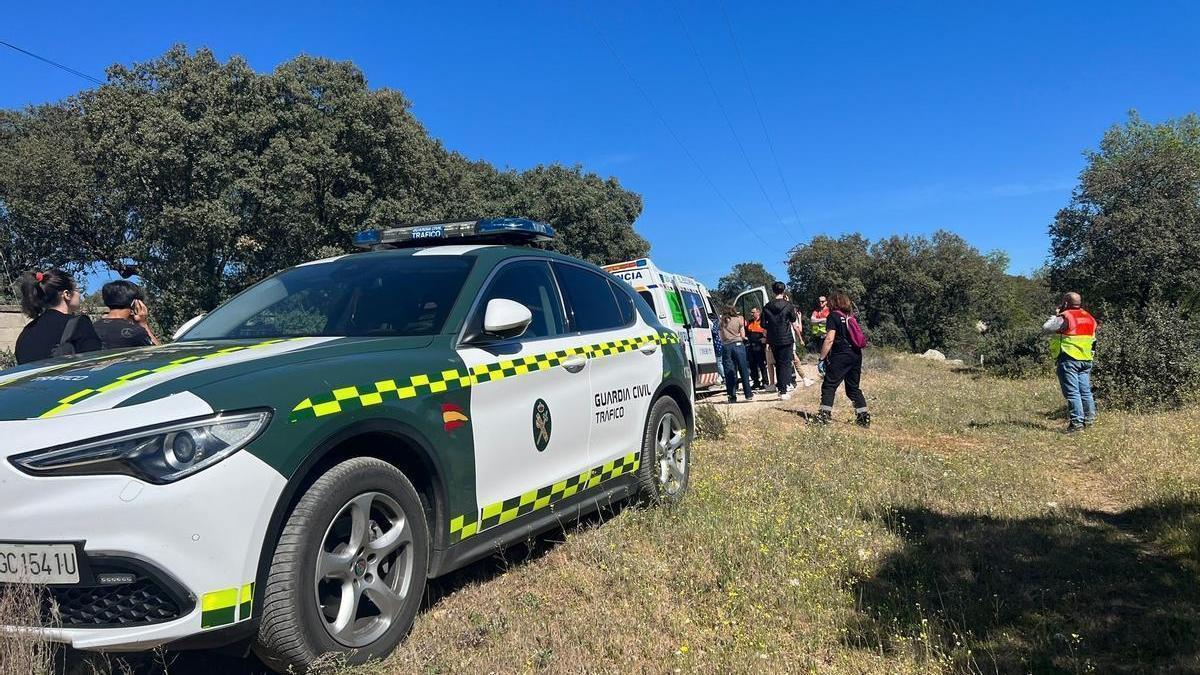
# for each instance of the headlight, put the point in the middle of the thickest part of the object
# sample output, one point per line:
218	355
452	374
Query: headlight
157	455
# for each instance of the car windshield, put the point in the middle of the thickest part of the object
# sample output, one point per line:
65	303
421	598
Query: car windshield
357	295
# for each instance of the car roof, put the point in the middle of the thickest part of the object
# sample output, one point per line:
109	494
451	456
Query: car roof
486	253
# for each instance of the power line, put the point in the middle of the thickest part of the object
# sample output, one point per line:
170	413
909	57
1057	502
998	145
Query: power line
663	120
729	122
56	64
758	110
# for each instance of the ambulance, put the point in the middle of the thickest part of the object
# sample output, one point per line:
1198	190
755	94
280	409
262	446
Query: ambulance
682	304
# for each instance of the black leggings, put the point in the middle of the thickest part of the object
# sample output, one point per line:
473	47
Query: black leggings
843	367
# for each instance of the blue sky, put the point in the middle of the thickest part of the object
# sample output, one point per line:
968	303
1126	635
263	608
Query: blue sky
885	118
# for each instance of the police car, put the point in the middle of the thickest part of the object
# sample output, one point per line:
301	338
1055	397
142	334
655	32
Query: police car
295	466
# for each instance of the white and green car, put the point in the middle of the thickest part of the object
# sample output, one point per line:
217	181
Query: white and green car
295	466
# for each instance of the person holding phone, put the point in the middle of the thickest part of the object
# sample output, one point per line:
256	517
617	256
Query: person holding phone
126	323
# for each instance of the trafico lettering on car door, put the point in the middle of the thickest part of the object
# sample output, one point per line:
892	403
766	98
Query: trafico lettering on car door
609	404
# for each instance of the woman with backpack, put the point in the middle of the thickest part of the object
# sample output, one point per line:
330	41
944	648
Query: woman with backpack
841	359
52	300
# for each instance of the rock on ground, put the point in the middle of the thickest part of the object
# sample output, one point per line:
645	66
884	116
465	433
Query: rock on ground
933	355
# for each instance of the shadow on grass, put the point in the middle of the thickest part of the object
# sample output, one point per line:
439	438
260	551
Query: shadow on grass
1077	591
1011	423
238	660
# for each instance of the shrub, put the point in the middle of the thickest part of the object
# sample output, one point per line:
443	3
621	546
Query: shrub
7	359
1016	352
710	423
1148	358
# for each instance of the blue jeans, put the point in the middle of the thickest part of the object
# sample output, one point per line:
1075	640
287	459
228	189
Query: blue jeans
736	363
1075	378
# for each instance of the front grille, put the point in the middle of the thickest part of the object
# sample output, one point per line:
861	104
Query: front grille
138	602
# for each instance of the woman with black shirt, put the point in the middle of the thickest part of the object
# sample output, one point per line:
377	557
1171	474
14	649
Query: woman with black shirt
51	298
843	362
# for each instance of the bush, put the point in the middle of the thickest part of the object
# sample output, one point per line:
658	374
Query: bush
710	423
7	359
1016	352
1148	359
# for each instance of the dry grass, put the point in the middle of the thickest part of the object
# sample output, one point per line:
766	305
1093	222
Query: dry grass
962	533
24	653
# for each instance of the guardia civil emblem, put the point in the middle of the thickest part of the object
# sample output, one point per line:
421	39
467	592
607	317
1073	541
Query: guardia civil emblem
541	424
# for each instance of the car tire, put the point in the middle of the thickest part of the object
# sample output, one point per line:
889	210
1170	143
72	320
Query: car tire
666	454
340	523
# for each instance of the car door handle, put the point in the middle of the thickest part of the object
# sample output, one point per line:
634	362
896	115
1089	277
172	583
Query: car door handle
649	347
574	364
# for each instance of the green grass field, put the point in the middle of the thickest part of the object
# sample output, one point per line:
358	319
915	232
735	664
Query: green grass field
963	533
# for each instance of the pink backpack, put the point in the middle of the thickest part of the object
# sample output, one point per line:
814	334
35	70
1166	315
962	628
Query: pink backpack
854	332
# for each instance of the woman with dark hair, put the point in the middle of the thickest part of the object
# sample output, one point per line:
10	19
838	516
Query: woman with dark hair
733	338
842	360
51	299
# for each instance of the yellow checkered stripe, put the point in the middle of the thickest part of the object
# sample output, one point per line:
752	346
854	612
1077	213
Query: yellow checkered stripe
84	394
363	396
510	509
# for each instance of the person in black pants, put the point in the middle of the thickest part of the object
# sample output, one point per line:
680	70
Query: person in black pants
51	299
756	349
779	321
842	362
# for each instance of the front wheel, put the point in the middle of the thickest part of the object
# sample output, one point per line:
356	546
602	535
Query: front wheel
666	453
348	573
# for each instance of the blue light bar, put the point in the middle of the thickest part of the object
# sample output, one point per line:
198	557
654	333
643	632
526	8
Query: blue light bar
486	231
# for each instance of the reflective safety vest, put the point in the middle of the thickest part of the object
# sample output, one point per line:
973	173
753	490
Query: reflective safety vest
815	325
1076	337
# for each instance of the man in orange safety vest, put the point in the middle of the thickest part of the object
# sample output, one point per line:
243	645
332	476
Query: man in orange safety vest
1073	333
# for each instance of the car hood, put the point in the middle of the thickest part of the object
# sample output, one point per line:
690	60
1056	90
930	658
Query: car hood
104	380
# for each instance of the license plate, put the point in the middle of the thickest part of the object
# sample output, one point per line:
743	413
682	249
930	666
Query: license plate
38	564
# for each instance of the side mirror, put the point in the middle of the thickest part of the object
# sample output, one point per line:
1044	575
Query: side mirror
187	325
506	319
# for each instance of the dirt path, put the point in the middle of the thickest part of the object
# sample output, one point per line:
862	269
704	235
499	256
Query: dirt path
803	398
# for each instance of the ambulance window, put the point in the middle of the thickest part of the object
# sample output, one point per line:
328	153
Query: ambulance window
694	307
649	298
591	305
530	283
624	302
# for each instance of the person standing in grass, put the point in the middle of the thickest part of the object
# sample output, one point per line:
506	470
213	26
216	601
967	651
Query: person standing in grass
842	357
733	339
756	349
1073	332
779	320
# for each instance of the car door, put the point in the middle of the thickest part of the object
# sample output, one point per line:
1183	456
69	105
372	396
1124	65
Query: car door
529	407
626	362
748	300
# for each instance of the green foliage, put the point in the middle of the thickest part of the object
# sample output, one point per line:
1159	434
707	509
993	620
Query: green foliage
1131	234
1129	241
1147	358
742	277
1020	351
213	176
916	293
7	358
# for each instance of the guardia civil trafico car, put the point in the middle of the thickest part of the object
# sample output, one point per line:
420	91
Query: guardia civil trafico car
291	470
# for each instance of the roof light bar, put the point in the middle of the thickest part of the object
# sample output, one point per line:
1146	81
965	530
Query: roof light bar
488	230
